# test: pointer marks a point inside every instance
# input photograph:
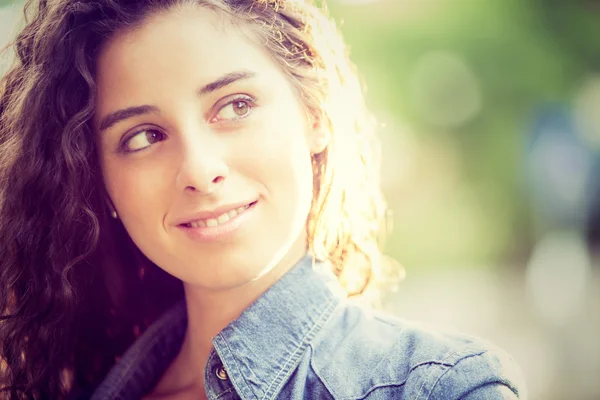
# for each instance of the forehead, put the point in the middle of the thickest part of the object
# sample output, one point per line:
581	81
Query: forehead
192	43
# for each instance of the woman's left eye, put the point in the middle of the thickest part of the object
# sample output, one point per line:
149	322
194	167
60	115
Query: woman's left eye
236	109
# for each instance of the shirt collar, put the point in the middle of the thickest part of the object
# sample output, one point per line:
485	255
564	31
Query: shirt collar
262	348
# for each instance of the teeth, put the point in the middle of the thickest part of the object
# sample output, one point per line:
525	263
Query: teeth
212	222
221	219
198	224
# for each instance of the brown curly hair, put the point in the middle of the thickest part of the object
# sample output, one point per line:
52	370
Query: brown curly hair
75	291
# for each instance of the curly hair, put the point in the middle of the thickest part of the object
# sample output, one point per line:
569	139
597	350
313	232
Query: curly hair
75	291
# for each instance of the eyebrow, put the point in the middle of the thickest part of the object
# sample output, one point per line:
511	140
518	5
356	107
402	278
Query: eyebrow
225	80
120	115
117	116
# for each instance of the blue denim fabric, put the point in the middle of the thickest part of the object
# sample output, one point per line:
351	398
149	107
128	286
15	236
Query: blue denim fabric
303	340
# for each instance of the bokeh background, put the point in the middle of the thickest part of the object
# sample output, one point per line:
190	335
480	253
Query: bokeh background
490	113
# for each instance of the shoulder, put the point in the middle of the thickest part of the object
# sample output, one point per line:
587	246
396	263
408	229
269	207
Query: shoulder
362	354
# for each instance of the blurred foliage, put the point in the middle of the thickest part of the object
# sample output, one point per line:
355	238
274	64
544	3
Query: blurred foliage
522	54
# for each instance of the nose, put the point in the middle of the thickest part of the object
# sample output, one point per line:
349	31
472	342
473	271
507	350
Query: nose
203	168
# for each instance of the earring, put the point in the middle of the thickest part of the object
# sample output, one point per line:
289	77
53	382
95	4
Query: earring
113	214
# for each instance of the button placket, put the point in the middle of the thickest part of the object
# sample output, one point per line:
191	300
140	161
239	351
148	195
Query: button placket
218	381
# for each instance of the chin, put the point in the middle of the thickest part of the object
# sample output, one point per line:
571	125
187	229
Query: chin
219	274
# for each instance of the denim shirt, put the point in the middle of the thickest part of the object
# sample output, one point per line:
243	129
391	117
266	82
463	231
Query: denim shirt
303	340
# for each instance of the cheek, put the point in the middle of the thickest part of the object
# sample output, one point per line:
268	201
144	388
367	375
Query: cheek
277	152
136	191
282	134
284	169
285	158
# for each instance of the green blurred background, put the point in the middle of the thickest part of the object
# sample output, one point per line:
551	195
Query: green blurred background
461	79
491	130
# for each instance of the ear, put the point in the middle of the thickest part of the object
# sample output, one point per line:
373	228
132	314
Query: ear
318	138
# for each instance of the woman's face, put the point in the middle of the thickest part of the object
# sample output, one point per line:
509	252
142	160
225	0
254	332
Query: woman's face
204	148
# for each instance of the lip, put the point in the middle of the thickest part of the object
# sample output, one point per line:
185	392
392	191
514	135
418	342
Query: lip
221	232
212	213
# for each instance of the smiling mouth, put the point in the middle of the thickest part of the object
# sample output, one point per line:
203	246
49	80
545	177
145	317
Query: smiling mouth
219	220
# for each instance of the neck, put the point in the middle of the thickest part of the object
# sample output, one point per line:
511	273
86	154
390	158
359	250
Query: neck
209	311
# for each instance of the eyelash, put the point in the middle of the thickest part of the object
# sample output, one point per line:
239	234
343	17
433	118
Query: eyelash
123	146
251	102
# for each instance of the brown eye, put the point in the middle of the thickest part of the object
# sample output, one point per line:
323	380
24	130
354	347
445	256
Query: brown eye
142	139
234	110
240	108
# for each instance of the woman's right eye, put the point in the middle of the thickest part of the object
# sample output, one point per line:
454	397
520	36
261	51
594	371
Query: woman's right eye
142	139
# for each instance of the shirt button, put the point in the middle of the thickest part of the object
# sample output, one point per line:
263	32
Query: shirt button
221	373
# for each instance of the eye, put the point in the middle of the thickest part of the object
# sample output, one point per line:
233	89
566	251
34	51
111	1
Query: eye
236	109
142	139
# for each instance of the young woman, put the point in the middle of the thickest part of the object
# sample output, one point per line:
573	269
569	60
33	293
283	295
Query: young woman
188	194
